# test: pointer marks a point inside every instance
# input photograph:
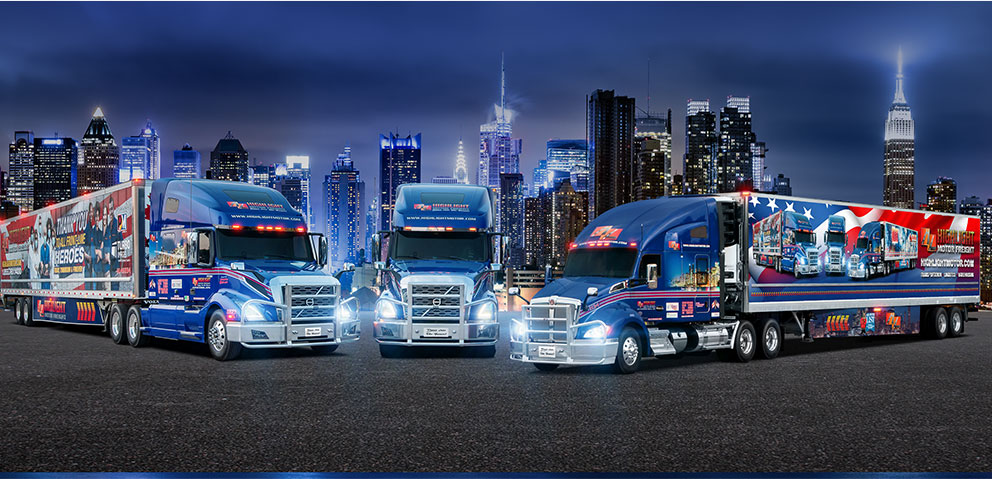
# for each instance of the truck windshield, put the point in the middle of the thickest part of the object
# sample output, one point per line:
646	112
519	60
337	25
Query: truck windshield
862	243
605	262
453	245
836	237
249	245
804	237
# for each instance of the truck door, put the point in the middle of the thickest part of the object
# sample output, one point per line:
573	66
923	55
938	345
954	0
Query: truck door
169	257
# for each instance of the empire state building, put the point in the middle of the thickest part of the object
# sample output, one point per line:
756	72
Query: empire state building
900	151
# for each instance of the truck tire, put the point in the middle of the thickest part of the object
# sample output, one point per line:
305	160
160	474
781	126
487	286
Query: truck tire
936	324
770	339
135	337
391	351
26	312
545	367
221	348
629	352
744	345
116	325
955	325
325	349
18	318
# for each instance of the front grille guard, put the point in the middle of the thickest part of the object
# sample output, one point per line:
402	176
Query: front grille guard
464	316
283	312
521	331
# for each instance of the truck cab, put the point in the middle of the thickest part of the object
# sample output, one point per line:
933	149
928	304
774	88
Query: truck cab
233	265
643	279
835	240
436	270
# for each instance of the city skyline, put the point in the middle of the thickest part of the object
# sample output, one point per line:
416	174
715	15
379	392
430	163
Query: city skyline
279	104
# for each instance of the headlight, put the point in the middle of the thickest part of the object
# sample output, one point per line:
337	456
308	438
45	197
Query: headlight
517	331
596	332
252	312
344	313
386	310
484	312
802	259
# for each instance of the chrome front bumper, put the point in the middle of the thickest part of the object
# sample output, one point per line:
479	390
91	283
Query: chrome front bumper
279	335
406	333
579	352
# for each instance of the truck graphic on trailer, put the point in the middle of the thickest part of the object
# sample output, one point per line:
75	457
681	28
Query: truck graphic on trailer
883	248
785	241
835	240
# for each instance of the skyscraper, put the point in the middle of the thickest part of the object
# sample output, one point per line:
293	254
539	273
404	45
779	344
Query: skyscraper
971	205
498	151
444	180
511	198
136	157
155	145
461	169
562	158
610	132
229	160
345	194
99	156
899	165
20	179
186	163
298	166
292	188
758	152
399	163
552	221
734	167
942	195
55	163
782	185
261	175
653	157
699	167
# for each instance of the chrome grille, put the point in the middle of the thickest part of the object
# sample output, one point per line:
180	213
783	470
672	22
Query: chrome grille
835	256
813	256
436	303
311	304
548	323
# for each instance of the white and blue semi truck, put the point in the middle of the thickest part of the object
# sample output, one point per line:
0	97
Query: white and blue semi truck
700	273
228	264
436	265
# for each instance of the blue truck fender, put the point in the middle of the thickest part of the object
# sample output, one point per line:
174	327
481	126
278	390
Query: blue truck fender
626	316
224	299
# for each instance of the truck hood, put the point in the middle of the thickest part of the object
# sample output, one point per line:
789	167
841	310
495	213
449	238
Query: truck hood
468	268
265	270
576	287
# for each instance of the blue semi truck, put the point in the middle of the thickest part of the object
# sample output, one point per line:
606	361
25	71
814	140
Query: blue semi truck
679	275
436	270
882	248
786	241
228	264
835	241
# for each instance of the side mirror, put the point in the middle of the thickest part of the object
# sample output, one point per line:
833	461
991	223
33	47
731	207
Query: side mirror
652	276
590	293
514	291
495	266
380	265
322	251
348	267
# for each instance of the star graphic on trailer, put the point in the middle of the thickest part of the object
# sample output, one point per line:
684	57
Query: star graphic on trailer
771	204
788	207
750	216
807	213
754	201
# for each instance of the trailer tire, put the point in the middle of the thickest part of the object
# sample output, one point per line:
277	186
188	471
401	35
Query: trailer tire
18	318
325	349
116	326
135	337
221	348
545	367
770	339
26	311
956	318
744	345
629	352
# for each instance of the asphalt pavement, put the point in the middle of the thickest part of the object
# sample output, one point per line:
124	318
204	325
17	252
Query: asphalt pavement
71	400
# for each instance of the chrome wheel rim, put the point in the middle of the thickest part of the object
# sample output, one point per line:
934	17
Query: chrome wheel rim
630	351
771	339
956	322
942	323
132	327
217	336
115	326
747	341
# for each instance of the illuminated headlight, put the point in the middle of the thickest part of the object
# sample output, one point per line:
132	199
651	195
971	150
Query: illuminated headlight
517	331
595	332
252	312
386	310
485	312
344	313
802	259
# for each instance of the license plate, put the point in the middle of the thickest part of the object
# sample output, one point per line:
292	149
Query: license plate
435	333
311	332
546	351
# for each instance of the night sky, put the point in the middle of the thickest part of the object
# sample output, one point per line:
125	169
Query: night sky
309	78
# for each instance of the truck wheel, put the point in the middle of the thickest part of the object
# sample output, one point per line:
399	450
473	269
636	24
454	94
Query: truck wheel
135	337
325	349
545	367
221	348
26	311
18	318
955	326
937	323
744	345
391	351
628	352
116	327
770	339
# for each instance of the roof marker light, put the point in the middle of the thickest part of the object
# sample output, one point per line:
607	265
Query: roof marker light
300	229
473	229
269	228
278	228
236	227
407	228
448	228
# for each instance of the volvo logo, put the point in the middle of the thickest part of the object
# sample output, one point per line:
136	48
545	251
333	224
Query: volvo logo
309	302
436	302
